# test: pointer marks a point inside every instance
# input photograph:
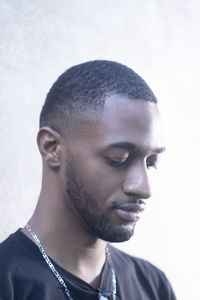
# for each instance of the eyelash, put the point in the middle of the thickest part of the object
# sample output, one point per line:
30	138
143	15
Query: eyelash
116	164
119	164
152	164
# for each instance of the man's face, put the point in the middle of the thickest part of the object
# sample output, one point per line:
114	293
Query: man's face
107	169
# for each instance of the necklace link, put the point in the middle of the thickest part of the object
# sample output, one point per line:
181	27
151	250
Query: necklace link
57	275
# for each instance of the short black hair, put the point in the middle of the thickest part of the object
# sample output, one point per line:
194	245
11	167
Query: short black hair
86	86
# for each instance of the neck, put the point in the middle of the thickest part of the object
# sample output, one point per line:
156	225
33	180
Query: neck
67	241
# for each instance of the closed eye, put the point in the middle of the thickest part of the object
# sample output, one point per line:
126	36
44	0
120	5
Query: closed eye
117	161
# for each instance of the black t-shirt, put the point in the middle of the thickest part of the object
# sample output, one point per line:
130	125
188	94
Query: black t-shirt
24	275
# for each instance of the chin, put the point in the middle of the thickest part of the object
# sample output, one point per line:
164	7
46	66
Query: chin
116	235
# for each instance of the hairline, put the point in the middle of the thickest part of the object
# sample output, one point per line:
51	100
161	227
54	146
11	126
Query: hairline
80	120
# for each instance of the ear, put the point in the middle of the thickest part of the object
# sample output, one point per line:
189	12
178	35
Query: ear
50	147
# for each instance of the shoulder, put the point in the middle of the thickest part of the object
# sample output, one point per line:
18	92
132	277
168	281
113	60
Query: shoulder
132	262
143	272
10	252
23	271
7	248
17	255
9	265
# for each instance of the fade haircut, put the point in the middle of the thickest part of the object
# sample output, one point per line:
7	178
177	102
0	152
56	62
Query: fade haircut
84	87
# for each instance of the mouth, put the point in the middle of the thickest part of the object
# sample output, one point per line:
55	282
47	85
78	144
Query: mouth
130	212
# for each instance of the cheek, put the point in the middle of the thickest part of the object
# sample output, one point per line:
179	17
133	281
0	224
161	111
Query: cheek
98	177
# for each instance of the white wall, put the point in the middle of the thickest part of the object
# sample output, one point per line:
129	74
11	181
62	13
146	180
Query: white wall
161	41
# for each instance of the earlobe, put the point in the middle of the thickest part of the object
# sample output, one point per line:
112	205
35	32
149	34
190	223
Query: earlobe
49	144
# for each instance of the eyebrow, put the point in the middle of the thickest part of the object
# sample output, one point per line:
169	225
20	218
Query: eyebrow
134	147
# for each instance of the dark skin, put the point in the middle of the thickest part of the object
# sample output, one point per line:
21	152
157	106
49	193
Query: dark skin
110	163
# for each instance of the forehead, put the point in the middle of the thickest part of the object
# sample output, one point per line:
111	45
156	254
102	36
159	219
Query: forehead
125	119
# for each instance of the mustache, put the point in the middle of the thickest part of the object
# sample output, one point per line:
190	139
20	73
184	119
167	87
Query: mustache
119	202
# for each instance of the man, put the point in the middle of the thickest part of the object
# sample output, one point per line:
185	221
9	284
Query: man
99	138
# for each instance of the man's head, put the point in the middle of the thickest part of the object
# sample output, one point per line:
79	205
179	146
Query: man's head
103	168
85	87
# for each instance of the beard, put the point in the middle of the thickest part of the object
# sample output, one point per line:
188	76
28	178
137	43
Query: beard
97	223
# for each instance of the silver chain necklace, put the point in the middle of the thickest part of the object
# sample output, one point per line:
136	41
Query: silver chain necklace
61	280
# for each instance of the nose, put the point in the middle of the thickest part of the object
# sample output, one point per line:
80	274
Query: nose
137	181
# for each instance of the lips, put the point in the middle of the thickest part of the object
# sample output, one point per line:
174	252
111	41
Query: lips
129	212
